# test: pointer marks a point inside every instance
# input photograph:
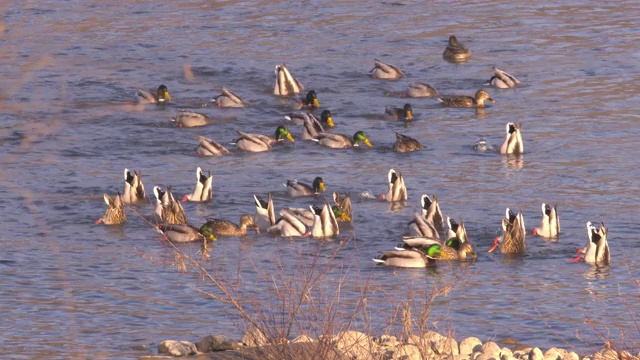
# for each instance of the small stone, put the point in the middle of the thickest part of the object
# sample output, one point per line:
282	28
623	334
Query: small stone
355	344
177	348
140	347
506	352
536	354
302	339
571	356
216	343
254	338
442	345
470	345
554	354
522	353
491	348
407	352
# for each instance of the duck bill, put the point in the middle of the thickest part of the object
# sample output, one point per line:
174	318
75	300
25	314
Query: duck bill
322	187
316	103
409	115
345	217
211	237
330	122
492	101
367	142
167	96
290	138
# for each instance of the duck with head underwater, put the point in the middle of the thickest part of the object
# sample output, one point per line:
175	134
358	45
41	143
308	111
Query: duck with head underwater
259	142
413	258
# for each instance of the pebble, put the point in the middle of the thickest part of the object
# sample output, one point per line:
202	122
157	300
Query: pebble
177	348
536	354
254	338
492	349
216	343
470	345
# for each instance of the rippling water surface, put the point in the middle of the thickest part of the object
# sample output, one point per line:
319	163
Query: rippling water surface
71	288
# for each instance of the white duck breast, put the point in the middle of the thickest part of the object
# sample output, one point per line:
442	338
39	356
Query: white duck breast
324	224
550	223
431	210
597	249
286	84
265	212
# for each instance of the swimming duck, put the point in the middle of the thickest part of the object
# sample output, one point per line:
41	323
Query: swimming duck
208	147
309	102
203	189
115	211
311	125
296	188
385	71
513	141
186	118
597	249
512	240
159	96
397	190
338	141
168	209
133	187
550	224
396	113
456	230
220	227
410	258
228	99
452	249
431	210
265	212
324	222
406	143
467	101
344	203
417	89
298	118
259	142
419	226
502	80
286	84
181	233
455	52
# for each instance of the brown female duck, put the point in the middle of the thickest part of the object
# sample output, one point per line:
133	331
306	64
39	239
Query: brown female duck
220	227
455	52
512	241
115	211
467	101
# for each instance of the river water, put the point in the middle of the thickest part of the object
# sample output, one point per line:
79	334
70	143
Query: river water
73	289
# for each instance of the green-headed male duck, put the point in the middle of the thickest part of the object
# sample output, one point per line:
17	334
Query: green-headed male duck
259	142
339	141
158	96
296	188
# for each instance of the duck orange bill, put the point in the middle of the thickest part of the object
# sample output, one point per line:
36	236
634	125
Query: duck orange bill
496	242
492	101
367	142
290	137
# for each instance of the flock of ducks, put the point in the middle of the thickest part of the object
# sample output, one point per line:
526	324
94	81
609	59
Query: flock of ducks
423	246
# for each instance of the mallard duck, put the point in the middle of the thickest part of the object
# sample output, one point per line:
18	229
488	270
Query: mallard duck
133	187
396	113
455	52
502	80
299	118
309	102
467	101
513	140
208	147
220	227
265	212
324	222
311	125
338	141
228	99
296	188
385	71
115	211
344	203
285	83
431	210
411	258
203	189
159	96
456	230
550	224
397	190
406	143
417	89
259	142
419	226
482	145
452	249
186	118
512	240
181	233
289	224
168	209
596	251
